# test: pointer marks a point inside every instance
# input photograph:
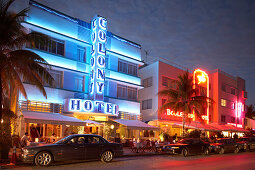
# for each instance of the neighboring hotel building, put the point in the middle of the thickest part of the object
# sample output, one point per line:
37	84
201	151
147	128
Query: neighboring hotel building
228	93
96	78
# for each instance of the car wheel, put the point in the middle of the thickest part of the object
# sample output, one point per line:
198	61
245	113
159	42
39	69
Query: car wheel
43	159
221	151
206	151
107	156
236	150
185	152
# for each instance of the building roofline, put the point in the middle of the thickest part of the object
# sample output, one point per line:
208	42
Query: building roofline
77	20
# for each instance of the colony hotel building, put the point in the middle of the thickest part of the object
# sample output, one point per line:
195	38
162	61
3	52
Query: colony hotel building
96	78
225	115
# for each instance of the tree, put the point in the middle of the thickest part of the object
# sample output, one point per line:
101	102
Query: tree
18	65
184	98
250	113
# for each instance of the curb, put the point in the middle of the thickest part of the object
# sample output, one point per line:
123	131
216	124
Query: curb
142	154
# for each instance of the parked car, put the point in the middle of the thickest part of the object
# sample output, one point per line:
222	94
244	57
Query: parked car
246	143
188	146
224	145
73	147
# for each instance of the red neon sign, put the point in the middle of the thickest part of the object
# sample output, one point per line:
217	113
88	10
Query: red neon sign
180	114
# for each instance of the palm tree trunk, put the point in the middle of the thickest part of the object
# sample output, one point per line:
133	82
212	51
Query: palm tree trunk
183	124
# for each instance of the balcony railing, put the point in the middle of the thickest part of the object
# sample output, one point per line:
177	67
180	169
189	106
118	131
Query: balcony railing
40	106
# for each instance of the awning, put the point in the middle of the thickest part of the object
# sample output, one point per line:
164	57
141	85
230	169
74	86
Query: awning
135	124
51	118
92	122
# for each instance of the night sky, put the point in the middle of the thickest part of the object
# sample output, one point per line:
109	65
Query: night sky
208	34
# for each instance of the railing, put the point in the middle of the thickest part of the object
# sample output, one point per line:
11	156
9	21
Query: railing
40	106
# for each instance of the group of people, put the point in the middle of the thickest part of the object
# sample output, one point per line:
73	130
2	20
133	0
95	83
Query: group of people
26	139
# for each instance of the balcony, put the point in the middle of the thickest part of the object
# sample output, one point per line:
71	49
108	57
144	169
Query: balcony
40	106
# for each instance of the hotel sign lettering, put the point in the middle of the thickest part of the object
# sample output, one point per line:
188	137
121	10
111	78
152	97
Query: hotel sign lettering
97	61
79	105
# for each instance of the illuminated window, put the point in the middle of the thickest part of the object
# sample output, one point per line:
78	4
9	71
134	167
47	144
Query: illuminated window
147	104
48	44
81	54
233	105
167	82
147	82
223	102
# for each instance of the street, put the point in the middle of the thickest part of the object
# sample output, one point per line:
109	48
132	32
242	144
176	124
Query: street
227	161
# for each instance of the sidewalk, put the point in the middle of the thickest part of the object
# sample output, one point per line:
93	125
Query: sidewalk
127	152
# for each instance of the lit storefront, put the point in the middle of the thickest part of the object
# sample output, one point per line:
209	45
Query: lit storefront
219	116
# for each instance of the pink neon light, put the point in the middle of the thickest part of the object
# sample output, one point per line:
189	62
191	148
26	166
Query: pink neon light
180	114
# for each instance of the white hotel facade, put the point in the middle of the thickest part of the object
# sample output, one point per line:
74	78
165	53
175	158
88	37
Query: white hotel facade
96	79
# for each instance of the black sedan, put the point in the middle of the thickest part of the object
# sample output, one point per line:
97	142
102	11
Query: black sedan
225	145
187	147
247	143
73	147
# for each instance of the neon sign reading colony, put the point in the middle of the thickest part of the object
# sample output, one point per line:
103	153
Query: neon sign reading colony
97	61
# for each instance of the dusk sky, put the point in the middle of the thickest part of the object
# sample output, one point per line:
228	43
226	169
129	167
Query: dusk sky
207	34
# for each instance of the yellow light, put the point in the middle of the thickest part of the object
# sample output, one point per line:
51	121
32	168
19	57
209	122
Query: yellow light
112	126
201	78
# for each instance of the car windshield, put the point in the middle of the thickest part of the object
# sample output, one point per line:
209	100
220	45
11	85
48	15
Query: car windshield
63	140
184	141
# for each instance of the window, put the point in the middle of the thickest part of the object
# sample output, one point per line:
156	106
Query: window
233	91
147	82
223	102
126	92
81	54
223	87
58	77
94	140
232	119
51	45
147	104
107	61
223	118
127	67
167	82
78	83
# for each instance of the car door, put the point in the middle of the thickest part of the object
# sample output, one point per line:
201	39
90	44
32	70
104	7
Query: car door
252	143
74	148
231	145
94	146
196	146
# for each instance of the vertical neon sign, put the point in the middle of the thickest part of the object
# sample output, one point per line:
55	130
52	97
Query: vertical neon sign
97	61
201	78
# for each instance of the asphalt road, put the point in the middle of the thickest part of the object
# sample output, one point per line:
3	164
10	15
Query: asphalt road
243	161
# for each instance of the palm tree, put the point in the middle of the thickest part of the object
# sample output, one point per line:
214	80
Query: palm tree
184	98
18	65
250	113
